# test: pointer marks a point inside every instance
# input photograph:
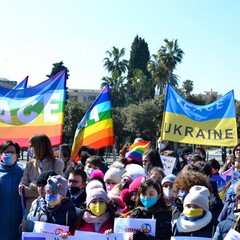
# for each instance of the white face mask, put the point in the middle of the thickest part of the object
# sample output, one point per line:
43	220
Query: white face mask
168	193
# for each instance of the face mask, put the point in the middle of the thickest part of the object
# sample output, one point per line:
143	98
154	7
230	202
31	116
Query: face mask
53	199
168	193
148	202
161	146
8	158
189	156
31	153
98	209
147	168
109	186
88	171
74	190
192	213
84	158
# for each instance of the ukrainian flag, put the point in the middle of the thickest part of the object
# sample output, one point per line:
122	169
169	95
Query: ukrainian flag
212	124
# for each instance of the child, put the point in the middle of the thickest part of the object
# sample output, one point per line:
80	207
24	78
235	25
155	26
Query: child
196	219
150	204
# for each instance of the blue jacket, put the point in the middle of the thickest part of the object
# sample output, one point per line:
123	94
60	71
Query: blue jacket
10	207
224	226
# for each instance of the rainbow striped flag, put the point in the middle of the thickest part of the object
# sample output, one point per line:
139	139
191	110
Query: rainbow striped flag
136	150
96	127
212	124
22	84
38	109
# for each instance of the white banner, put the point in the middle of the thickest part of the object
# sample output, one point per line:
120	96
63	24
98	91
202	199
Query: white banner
78	235
39	236
190	238
89	236
168	164
128	225
49	228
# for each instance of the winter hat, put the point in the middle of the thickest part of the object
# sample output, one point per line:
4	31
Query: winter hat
57	184
198	195
133	187
114	196
94	189
114	174
132	172
43	177
169	178
97	173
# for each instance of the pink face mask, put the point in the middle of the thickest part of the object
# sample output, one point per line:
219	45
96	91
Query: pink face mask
109	186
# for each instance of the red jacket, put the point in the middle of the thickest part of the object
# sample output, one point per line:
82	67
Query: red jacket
89	227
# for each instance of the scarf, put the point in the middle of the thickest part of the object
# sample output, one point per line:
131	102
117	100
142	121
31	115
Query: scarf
184	225
90	218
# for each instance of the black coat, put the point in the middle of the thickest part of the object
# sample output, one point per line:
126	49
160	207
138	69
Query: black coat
163	224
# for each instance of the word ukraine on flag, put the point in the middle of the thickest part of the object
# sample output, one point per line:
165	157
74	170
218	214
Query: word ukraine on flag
38	109
96	127
136	150
212	124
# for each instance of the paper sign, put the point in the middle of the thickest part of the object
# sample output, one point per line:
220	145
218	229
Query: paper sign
50	228
168	164
90	235
128	225
232	235
39	236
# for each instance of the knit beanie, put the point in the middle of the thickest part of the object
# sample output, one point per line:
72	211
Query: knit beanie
198	195
133	187
57	184
43	177
114	196
169	178
94	189
133	171
114	174
97	174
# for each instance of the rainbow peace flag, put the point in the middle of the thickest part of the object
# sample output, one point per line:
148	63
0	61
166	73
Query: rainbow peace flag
38	109
136	150
212	124
22	84
96	127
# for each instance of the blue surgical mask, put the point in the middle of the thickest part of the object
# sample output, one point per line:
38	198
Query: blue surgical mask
31	153
148	202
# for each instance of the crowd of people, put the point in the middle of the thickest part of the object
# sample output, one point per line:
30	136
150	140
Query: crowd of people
88	194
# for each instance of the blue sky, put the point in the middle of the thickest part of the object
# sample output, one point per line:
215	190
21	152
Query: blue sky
35	34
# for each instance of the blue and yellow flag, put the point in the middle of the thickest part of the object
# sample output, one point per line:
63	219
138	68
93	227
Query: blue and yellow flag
212	124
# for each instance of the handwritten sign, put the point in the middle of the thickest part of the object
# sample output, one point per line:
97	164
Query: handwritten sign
168	164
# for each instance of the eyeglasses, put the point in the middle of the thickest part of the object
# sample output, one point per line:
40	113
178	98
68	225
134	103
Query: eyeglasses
73	181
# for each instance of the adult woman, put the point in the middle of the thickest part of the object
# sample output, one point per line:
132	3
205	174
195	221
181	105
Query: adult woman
43	160
10	175
150	159
150	204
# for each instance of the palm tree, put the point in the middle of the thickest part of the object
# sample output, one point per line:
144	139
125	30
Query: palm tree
117	67
171	55
113	63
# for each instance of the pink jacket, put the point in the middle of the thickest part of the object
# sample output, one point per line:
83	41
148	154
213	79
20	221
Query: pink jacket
89	227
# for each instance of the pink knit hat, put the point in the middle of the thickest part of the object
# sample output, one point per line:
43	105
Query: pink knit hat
133	187
95	190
